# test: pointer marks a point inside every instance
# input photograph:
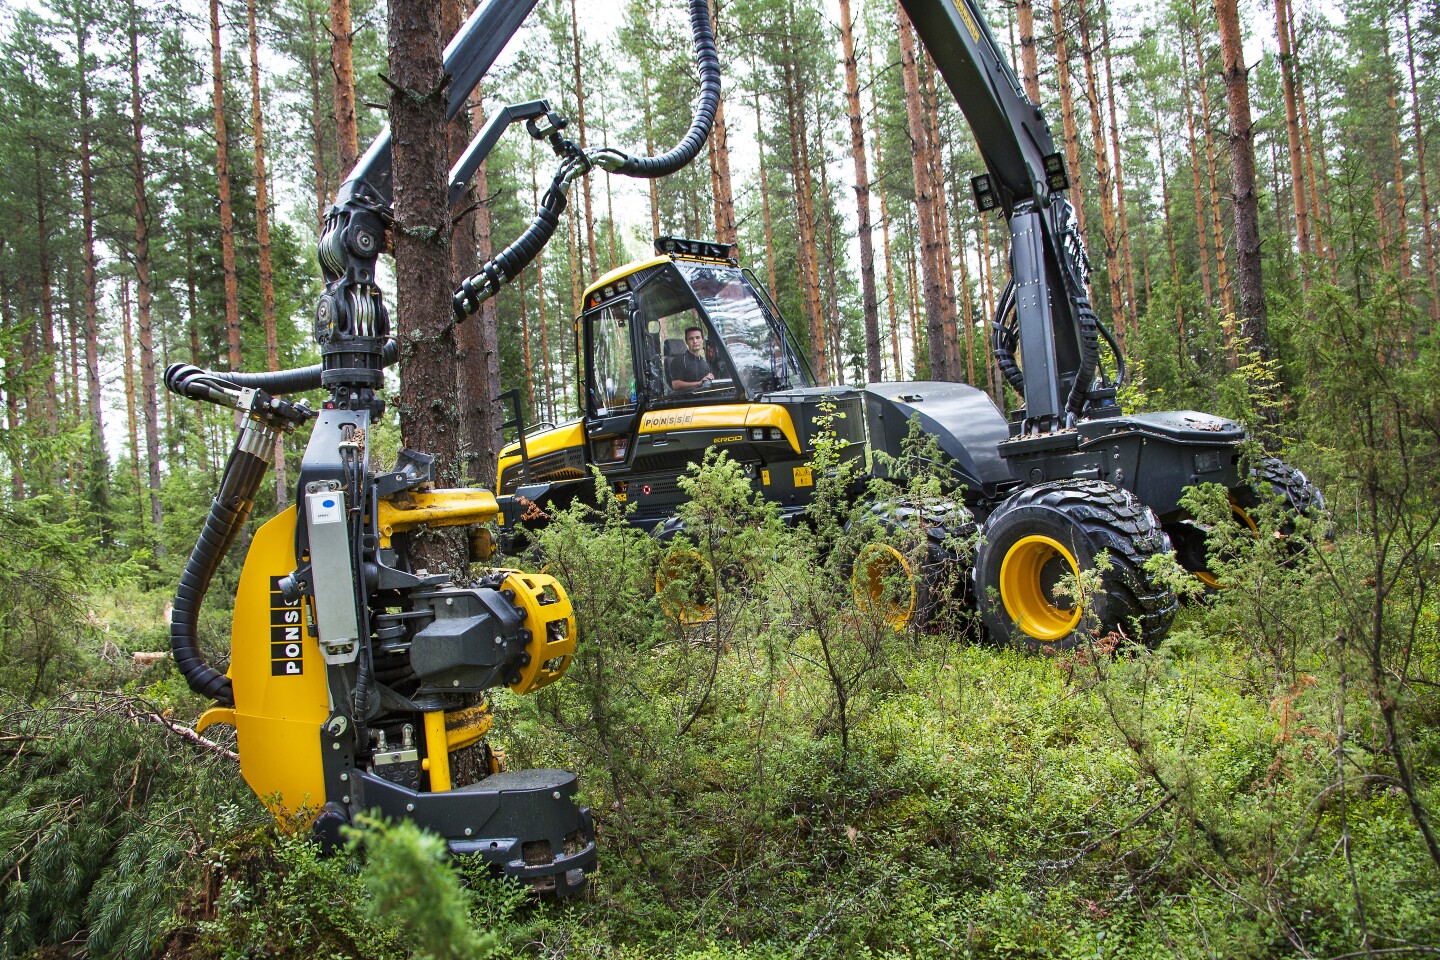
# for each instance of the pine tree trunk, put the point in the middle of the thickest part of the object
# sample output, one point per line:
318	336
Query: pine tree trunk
13	390
422	259
1029	62
831	258
142	283
1067	113
525	345
1192	141
317	136
342	65
924	204
1318	178
1425	209
896	354
869	300
764	200
1102	175
650	152
1222	266
809	269
1127	266
944	253
480	337
1292	133
50	400
580	125
1402	221
227	212
548	399
1169	241
262	232
91	331
1254	326
132	424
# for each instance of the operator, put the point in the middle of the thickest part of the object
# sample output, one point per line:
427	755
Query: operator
690	370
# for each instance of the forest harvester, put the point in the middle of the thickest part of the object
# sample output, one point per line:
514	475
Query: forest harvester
1061	481
357	682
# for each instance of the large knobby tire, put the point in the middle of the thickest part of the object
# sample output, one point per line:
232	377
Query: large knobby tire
919	565
1052	532
1273	484
1273	478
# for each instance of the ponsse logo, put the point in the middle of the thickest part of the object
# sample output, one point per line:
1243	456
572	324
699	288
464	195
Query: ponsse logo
669	420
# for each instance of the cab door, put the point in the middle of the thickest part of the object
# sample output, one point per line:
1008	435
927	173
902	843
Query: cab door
615	394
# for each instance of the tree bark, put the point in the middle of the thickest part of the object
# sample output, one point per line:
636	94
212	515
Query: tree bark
262	233
317	136
764	199
132	424
1222	266
580	124
227	211
1067	114
142	282
479	368
1292	134
342	63
1200	224
1402	221
1425	209
1127	267
1170	240
1102	176
804	202
924	204
91	331
1029	62
1254	326
427	407
868	297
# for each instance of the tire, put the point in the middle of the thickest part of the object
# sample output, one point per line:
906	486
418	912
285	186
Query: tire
1043	533
1273	478
920	566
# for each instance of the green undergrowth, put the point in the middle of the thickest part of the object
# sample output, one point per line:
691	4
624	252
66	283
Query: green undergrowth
790	776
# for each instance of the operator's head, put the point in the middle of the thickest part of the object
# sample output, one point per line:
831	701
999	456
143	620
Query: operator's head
694	340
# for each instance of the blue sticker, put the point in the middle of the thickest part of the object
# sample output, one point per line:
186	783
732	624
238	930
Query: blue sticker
327	503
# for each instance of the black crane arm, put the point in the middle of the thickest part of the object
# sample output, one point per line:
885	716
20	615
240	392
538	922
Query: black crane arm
1046	308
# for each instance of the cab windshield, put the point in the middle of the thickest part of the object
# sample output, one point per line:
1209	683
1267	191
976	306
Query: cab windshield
761	358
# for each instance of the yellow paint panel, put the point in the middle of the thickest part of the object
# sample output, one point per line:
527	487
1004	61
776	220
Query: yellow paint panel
722	416
621	272
280	701
547	441
765	477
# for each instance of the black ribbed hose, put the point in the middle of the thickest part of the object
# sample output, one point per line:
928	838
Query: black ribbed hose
191	381
244	472
508	264
707	62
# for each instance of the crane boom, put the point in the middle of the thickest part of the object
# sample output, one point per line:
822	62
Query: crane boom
1053	324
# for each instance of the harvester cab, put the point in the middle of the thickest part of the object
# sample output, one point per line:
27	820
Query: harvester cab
679	353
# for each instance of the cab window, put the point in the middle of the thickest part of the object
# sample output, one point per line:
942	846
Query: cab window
681	351
611	384
756	350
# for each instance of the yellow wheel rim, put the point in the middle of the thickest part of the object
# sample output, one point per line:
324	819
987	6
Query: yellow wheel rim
684	581
1028	574
1208	578
884	584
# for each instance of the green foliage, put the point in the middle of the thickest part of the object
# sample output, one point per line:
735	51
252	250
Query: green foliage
104	814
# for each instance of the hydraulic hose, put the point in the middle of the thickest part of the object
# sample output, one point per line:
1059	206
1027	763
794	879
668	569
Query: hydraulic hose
508	264
1003	340
244	472
190	381
707	61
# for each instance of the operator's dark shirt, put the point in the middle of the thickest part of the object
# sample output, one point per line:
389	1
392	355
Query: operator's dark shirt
688	367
